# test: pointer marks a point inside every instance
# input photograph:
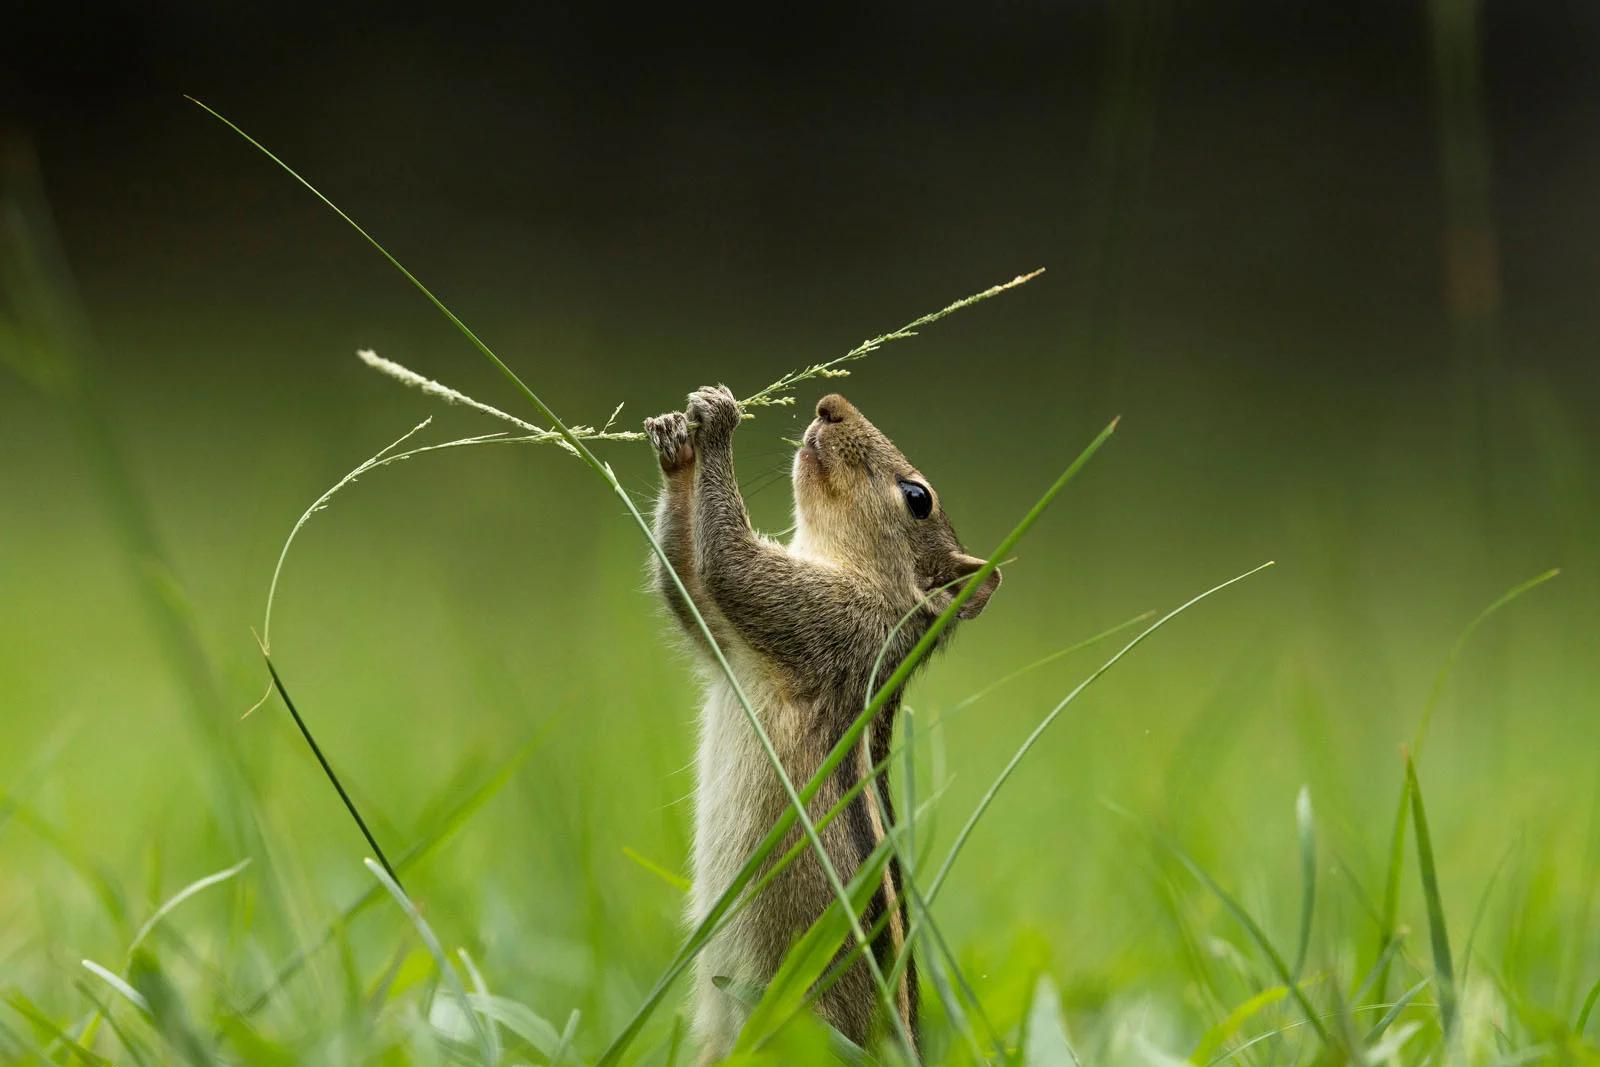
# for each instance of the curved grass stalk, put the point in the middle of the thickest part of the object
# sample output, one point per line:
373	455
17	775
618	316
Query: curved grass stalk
966	830
1397	834
773	395
1038	731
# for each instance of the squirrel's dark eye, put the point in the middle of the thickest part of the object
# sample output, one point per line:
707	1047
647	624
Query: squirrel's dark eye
918	499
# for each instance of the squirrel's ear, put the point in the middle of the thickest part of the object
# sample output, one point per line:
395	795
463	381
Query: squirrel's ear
968	565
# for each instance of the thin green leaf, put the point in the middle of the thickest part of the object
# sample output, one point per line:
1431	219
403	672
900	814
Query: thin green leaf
1045	1043
1242	916
47	1028
452	980
1390	1046
1381	964
1305	820
1215	1037
675	1043
116	981
480	988
565	1043
1038	731
811	953
520	1019
327	768
1430	890
1391	896
1482	909
1394	1011
136	1049
676	881
179	897
436	835
1043	661
1449	664
167	1010
1588	1008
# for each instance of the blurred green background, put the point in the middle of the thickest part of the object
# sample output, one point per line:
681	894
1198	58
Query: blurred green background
1334	268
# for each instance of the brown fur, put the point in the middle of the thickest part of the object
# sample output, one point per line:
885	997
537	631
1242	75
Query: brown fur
801	624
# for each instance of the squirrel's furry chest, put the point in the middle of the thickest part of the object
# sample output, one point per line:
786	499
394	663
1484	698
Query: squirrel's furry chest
738	794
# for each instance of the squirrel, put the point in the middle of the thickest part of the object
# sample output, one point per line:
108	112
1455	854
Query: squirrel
801	624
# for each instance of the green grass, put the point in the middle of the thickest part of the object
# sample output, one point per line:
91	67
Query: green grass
200	895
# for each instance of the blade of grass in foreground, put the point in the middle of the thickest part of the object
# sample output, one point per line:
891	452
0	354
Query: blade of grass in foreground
47	1027
1038	731
197	886
1397	843
447	970
1443	966
1240	915
441	832
703	931
1588	1007
316	750
1305	818
1027	745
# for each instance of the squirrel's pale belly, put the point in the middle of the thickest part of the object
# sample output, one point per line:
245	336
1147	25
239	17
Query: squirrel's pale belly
738	798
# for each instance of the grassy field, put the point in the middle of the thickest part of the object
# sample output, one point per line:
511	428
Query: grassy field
1198	861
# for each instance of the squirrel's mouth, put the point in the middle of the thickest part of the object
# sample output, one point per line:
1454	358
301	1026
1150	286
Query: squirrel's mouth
810	454
812	441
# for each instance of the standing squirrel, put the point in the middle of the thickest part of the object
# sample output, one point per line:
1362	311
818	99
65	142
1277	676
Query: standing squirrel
801	625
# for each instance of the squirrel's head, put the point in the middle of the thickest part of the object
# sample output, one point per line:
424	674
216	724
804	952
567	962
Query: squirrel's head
861	504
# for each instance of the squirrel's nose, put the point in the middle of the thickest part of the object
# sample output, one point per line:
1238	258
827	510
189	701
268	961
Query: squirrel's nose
834	408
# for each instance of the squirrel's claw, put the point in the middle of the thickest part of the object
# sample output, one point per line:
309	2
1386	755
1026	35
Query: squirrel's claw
669	435
714	408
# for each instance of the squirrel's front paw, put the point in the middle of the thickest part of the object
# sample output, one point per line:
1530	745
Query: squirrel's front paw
716	411
669	435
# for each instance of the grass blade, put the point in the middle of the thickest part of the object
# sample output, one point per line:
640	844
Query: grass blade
1380	966
327	769
1587	1009
179	897
1244	919
1482	908
447	971
1430	890
115	981
480	988
1394	1011
1305	820
47	1027
1215	1037
672	878
441	832
1077	646
567	1035
161	913
1391	896
1027	745
1461	643
1046	1044
167	1011
812	952
521	1020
